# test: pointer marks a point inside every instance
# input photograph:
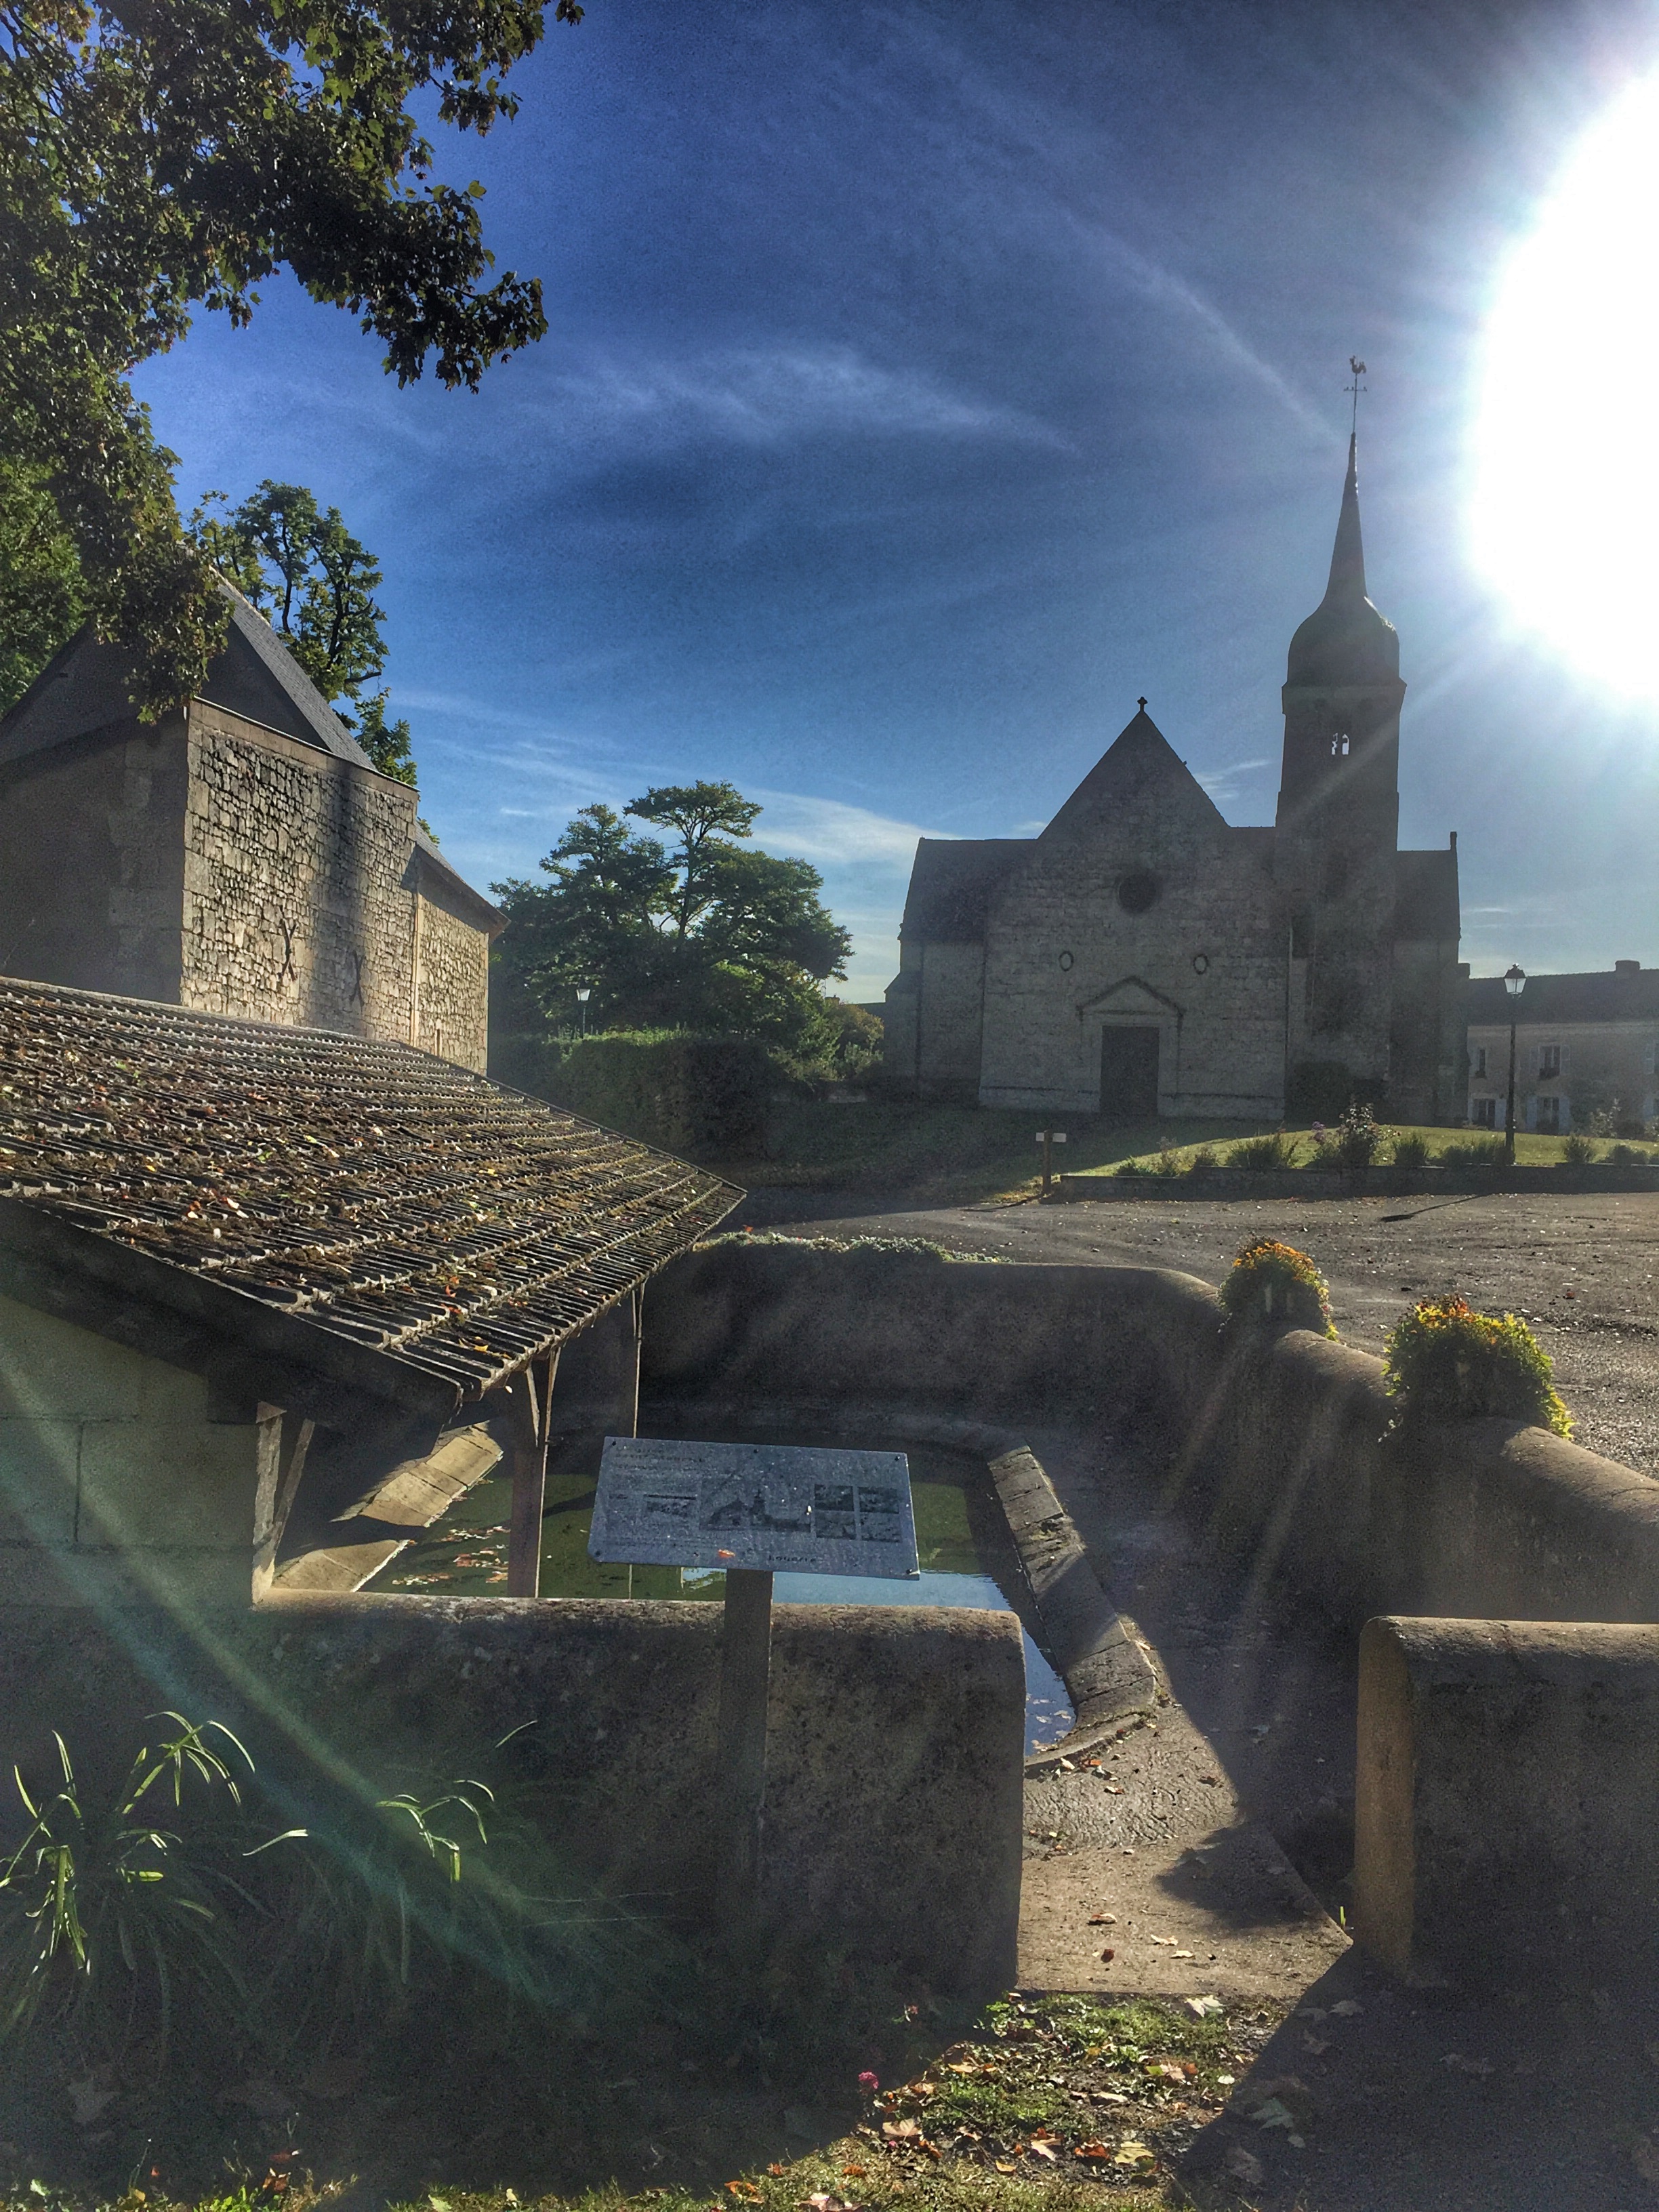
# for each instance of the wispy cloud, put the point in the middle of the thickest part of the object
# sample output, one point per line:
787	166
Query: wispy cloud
831	833
770	395
1223	783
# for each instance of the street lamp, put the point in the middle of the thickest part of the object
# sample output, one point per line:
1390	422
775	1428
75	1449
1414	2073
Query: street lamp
1515	982
584	992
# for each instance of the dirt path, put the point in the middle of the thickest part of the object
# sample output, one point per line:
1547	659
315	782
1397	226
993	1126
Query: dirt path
1584	1271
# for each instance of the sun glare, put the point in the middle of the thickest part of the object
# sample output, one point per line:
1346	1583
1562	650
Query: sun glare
1566	479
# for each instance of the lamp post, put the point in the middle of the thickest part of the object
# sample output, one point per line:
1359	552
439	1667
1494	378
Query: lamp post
583	992
1515	982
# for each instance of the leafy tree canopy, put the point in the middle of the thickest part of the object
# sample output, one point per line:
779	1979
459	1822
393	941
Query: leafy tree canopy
704	933
157	156
314	583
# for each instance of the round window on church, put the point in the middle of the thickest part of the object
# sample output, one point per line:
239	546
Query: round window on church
1200	963
1138	891
1065	963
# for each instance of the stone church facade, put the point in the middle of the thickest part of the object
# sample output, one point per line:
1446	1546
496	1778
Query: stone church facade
241	855
1142	958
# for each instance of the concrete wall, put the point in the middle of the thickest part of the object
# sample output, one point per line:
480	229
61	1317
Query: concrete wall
1063	957
1282	1446
296	908
452	977
91	870
1508	1826
895	1774
116	1480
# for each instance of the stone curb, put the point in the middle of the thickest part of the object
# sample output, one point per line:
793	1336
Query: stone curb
1364	1182
1107	1674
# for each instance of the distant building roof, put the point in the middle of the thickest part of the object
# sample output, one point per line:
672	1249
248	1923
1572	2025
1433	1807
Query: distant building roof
951	883
352	1217
1627	992
1426	901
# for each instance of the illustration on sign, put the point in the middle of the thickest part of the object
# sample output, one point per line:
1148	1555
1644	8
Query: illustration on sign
791	1508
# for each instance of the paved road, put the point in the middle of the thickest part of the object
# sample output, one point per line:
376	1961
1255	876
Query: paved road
1582	1270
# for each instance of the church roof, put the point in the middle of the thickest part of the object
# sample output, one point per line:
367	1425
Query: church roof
83	688
1140	763
1345	640
1627	992
363	1216
951	886
1425	900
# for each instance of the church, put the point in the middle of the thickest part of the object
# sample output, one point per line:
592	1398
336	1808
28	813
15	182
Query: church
1141	956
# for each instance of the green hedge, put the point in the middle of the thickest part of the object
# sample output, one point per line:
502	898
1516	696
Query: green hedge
706	1095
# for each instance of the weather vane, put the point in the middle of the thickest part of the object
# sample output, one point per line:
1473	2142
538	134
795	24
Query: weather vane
1356	388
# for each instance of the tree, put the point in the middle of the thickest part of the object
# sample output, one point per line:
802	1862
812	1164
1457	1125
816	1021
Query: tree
710	934
314	583
157	156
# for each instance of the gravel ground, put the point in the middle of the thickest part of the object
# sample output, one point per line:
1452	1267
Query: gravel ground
1582	1270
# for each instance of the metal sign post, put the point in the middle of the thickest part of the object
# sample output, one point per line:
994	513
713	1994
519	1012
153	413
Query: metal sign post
1048	1139
751	1510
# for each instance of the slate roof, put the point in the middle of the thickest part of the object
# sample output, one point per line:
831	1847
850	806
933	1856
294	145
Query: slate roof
951	883
361	1212
1425	899
1553	1000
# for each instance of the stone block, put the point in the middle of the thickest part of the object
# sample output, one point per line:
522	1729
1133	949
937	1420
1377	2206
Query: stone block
1508	1802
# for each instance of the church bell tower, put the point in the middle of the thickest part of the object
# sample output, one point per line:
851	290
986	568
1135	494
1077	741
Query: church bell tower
1337	831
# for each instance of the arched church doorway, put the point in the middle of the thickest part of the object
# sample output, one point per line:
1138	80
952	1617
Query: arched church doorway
1128	1072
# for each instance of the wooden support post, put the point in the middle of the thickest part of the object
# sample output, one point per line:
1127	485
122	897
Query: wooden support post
746	1681
529	1398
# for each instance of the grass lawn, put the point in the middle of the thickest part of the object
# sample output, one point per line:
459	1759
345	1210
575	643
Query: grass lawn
945	1155
1172	1153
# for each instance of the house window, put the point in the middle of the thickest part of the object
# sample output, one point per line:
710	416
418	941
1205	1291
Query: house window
1478	1060
1549	1060
1483	1112
1549	1115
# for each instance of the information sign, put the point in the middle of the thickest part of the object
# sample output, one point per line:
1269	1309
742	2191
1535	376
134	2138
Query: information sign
788	1508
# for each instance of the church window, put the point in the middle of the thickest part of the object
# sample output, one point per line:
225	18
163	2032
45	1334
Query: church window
1200	963
1340	744
1066	963
1138	891
1549	1060
1483	1112
1549	1115
1478	1060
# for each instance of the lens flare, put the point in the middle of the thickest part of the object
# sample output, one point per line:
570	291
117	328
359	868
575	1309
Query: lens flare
1566	459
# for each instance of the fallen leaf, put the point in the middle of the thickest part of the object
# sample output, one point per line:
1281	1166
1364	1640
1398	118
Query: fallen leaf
1212	1781
88	2100
1168	1941
1312	2043
854	2172
1242	2166
1108	1954
1205	2008
1645	2158
1129	2152
1045	2150
1184	1954
1006	2165
1092	2150
1347	2008
1103	1920
1459	2064
1274	2114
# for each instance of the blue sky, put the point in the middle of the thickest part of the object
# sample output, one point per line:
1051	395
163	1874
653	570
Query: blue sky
925	382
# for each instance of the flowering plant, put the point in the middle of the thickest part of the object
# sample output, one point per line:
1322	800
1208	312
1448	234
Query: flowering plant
1274	1285
1445	1363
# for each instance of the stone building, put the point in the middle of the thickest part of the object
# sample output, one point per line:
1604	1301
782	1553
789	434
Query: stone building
1586	1047
1142	958
241	855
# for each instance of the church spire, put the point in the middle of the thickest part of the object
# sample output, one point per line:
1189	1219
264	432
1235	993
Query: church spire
1347	579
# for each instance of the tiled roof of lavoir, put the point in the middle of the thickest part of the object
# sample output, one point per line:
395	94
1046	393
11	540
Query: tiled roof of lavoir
376	1197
